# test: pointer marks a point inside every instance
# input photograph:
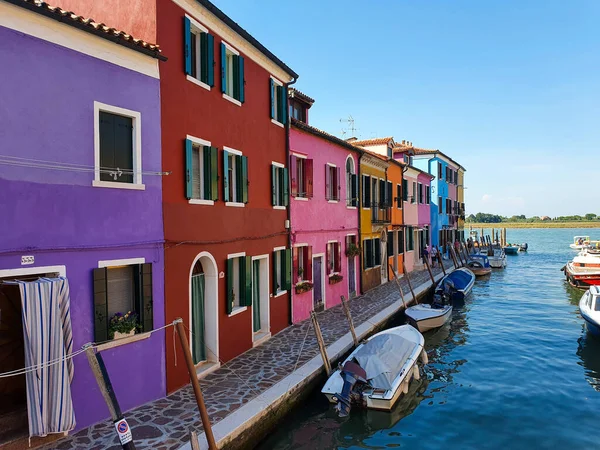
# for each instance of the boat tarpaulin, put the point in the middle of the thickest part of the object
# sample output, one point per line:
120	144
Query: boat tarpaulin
383	357
48	339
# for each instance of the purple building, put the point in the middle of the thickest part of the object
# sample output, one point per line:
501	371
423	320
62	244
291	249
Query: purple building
80	189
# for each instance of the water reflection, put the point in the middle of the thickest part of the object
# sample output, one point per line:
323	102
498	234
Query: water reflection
589	353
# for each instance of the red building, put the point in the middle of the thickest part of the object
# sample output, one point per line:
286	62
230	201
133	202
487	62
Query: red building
224	135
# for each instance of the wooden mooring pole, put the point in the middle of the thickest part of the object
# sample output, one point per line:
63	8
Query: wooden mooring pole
409	283
346	309
429	270
212	445
398	284
453	257
321	342
441	260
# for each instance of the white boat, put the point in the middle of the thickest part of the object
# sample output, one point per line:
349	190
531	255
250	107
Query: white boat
583	271
427	317
378	371
497	260
579	242
589	308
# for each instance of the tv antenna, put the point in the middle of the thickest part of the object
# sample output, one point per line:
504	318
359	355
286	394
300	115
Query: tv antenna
350	125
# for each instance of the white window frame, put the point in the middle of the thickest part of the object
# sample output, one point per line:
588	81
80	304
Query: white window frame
197	28
280	275
331	187
276	120
136	117
201	143
332	252
300	264
278	166
298	179
228	94
233	183
236	285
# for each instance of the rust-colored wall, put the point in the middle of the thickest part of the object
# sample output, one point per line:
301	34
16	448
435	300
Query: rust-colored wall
188	109
135	17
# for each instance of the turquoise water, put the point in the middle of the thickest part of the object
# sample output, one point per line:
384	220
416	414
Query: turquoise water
514	369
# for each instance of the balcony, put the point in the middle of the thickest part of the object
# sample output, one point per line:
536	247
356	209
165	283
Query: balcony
381	215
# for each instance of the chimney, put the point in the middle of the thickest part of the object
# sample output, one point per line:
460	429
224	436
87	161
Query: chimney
403	142
351	139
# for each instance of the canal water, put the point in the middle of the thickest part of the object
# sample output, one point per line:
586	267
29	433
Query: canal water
514	369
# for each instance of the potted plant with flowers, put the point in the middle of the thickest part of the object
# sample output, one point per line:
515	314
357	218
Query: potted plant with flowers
123	325
352	250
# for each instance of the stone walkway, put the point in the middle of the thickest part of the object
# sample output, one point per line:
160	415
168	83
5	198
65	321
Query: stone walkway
165	424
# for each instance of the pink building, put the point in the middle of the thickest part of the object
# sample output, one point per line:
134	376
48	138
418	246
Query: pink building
324	215
424	210
411	217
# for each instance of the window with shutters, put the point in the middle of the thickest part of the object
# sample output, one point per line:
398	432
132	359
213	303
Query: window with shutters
279	186
232	74
120	288
375	199
334	257
421	193
282	271
390	243
201	171
351	183
297	110
399	196
117	147
332	182
199	53
302	263
427	195
405	190
410	239
377	252
278	101
366	191
440	205
301	170
400	241
440	172
235	177
239	283
368	261
413	197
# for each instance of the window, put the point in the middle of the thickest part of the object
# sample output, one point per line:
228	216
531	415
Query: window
428	194
334	258
400	241
389	194
421	193
366	191
298	111
282	270
377	251
301	170
199	53
399	196
117	149
448	206
390	243
235	177
278	101
410	239
405	190
375	198
351	183
371	253
332	182
201	171
121	288
232	73
302	257
390	153
279	185
440	205
239	282
456	177
440	173
413	198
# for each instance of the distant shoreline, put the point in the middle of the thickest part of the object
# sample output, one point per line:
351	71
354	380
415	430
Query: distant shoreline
582	224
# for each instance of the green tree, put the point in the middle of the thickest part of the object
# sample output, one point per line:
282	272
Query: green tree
590	216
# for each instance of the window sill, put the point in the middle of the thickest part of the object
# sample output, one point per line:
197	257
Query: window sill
197	82
197	201
303	281
232	100
333	201
304	199
123	341
116	185
236	204
350	207
237	310
366	209
279	294
279	124
279	207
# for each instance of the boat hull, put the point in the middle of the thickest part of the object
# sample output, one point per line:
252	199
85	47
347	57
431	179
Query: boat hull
511	250
497	263
430	323
582	279
481	271
590	310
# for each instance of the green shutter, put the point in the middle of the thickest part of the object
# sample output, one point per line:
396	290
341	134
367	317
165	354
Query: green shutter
242	95
188	169
284	185
282	103
210	59
187	46
235	92
286	268
405	190
204	57
354	190
274	272
223	68
229	296
238	178
147	311
206	175
246	286
272	90
274	176
214	173
244	177
100	305
226	179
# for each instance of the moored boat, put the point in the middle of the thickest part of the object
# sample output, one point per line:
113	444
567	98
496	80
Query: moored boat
479	264
584	270
589	308
426	317
455	286
511	249
579	242
497	258
378	372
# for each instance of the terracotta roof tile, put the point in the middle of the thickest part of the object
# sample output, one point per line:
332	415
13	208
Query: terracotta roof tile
90	25
374	141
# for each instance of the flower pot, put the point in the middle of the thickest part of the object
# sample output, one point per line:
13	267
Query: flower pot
119	335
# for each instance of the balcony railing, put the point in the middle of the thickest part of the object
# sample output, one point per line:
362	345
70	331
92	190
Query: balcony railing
381	215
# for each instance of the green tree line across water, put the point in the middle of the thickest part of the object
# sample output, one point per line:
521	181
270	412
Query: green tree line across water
495	218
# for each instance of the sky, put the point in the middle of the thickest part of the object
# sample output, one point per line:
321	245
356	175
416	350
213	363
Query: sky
509	89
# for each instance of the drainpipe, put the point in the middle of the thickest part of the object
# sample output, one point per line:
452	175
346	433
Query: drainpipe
289	208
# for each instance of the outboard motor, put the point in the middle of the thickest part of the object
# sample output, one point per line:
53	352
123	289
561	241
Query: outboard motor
352	374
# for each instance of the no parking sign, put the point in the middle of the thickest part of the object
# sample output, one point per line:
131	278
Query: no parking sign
123	431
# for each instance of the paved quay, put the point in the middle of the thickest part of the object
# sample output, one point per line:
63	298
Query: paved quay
246	386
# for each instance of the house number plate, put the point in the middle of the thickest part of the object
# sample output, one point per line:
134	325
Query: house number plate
27	260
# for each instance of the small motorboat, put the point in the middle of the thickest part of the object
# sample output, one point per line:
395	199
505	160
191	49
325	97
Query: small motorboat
511	249
497	258
426	317
579	242
378	371
479	264
584	270
523	247
589	308
455	286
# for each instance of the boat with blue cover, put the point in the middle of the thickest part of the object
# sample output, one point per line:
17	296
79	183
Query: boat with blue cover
479	264
455	286
589	308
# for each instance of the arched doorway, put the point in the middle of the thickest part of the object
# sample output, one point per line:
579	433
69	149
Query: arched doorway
204	310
